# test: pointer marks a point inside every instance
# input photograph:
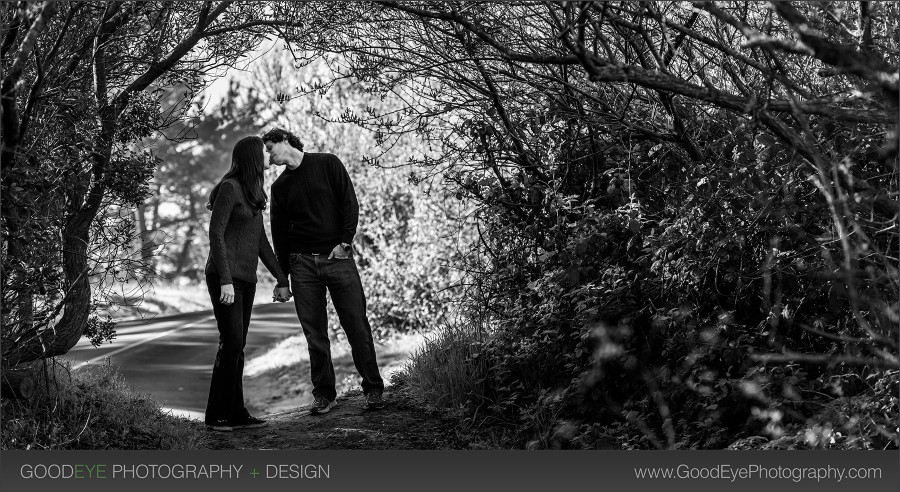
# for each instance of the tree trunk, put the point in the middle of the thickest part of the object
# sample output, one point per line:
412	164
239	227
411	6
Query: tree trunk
140	223
146	254
185	254
62	335
146	239
156	201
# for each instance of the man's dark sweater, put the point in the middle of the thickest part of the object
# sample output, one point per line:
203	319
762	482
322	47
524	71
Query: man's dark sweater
314	208
237	239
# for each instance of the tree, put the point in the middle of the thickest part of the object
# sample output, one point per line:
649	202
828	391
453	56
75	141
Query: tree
78	92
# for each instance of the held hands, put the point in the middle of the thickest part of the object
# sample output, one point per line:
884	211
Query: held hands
227	295
281	294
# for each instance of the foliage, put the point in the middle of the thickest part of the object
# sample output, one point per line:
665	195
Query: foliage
686	218
96	411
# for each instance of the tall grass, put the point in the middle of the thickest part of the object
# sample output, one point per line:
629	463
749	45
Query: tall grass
93	411
452	372
447	372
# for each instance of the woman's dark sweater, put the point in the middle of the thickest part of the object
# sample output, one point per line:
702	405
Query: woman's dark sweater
237	238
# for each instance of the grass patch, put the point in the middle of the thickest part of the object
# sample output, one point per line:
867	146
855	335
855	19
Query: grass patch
447	372
93	411
451	373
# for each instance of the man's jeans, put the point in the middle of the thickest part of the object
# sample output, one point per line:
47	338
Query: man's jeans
310	276
226	391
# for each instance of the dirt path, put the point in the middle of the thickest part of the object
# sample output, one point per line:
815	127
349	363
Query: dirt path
399	425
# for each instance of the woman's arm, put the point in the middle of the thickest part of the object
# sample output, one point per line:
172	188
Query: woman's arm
226	199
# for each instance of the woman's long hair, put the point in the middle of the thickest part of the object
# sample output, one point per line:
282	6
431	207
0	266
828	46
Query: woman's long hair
247	167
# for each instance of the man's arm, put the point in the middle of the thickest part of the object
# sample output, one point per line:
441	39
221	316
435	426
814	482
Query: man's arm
347	198
280	232
269	260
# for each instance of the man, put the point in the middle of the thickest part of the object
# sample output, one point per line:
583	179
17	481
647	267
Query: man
314	217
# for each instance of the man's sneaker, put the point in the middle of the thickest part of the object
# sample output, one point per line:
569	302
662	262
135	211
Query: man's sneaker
321	405
221	425
249	423
374	400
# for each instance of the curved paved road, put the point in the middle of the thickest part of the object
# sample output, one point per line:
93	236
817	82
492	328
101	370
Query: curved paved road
171	357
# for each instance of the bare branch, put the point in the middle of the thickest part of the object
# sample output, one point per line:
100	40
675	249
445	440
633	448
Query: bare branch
247	25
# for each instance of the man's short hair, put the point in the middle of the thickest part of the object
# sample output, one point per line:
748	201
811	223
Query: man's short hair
276	135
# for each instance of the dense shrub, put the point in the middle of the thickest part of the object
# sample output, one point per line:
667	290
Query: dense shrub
653	309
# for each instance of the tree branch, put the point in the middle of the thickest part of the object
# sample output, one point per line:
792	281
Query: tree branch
14	73
42	69
601	70
506	52
847	59
247	25
827	360
9	109
159	68
657	80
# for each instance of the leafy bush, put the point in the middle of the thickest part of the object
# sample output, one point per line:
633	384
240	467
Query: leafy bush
646	306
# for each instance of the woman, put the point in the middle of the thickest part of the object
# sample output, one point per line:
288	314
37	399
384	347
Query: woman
236	240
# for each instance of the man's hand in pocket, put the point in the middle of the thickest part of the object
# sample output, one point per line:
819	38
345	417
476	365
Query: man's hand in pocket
340	252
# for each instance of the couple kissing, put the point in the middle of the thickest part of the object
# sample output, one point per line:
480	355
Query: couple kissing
314	214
